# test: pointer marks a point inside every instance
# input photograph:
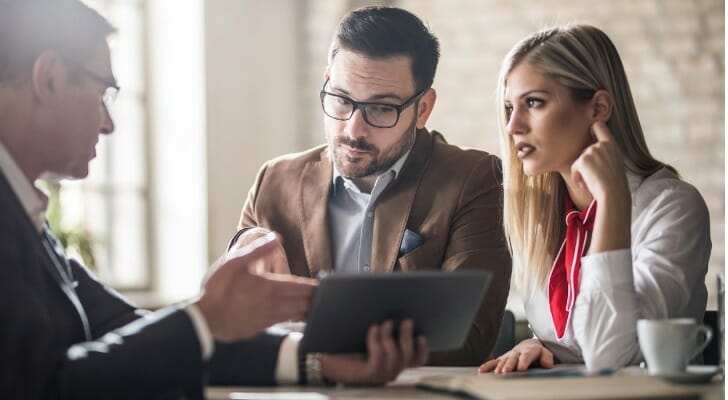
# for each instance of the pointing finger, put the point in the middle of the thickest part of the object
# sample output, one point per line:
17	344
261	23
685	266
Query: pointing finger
243	258
601	131
255	250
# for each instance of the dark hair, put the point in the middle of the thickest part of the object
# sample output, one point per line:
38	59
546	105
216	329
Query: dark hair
380	32
30	27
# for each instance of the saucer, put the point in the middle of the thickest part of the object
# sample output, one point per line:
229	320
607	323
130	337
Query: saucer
693	374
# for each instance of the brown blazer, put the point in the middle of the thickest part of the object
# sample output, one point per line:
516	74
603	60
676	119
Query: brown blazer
449	196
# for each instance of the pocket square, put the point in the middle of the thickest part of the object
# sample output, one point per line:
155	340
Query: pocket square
410	241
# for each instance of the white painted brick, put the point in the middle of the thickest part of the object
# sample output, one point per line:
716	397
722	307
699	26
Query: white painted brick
679	7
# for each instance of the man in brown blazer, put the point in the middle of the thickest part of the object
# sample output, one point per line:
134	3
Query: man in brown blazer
385	194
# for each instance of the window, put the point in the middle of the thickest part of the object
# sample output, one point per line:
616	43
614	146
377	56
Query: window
112	204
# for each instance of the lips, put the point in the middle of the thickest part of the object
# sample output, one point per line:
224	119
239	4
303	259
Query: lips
354	152
523	150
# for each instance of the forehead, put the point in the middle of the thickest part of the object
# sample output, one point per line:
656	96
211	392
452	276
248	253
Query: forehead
524	77
365	76
100	63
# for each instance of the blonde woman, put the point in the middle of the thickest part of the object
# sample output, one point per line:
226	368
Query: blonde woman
602	234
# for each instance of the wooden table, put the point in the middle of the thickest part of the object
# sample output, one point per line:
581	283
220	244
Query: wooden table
404	388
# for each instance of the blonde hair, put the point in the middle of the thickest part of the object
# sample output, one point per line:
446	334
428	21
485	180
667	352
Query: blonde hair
583	59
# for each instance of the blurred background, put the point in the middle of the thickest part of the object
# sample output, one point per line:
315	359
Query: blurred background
211	89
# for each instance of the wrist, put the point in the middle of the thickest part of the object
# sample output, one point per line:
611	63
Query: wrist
310	369
612	227
302	376
205	310
202	329
615	196
615	209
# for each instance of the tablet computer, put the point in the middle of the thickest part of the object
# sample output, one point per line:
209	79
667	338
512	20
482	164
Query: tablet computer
442	305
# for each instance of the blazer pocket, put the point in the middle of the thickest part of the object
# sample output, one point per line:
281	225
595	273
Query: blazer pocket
427	256
410	242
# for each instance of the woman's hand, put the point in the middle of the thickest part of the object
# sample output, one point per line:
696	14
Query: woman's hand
520	358
600	169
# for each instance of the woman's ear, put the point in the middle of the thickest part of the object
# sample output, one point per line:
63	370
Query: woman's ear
601	106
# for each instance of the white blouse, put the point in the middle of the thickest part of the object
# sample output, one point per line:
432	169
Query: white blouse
661	276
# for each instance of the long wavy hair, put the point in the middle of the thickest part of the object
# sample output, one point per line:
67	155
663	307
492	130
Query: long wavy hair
583	59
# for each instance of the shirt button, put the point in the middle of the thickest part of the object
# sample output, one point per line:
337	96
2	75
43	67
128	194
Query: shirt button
366	268
370	214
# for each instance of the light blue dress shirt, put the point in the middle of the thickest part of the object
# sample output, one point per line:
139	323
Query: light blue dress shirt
351	218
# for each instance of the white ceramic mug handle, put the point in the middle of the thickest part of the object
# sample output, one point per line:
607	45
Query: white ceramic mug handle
708	335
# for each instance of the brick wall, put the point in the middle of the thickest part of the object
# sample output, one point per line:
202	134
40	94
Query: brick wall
673	51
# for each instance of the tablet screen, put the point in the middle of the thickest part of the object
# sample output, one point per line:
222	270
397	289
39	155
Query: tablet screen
442	305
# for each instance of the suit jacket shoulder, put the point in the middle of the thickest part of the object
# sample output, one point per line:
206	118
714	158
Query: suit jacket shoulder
293	163
451	158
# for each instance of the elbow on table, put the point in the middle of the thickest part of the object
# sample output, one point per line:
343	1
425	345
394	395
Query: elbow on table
613	357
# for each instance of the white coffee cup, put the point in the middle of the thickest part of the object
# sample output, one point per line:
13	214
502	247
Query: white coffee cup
669	344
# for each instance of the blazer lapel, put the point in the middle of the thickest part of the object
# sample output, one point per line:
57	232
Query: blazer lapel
48	257
57	263
314	190
394	206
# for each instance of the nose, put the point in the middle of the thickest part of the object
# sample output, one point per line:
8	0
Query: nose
516	123
356	126
107	125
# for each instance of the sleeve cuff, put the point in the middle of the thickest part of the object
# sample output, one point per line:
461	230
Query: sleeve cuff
202	330
287	366
606	270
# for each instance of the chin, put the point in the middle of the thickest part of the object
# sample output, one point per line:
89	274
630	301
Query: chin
80	174
352	172
350	168
77	171
529	170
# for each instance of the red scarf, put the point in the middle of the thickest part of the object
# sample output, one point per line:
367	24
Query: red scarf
564	278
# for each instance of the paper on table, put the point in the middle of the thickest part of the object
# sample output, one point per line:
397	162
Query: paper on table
611	387
278	396
556	372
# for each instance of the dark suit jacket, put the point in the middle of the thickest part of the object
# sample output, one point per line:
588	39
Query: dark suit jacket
450	197
78	339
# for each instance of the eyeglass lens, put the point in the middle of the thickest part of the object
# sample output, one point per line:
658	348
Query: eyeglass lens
341	108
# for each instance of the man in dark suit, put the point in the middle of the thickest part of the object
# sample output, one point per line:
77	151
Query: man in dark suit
63	334
384	194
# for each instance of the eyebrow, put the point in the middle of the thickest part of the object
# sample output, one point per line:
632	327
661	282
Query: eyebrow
530	92
102	77
380	96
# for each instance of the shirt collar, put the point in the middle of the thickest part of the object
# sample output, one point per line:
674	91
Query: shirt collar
396	168
33	200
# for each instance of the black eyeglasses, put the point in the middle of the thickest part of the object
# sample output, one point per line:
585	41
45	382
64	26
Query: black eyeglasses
377	115
112	89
